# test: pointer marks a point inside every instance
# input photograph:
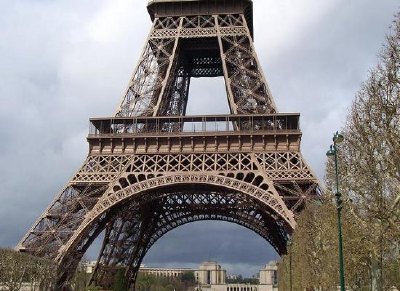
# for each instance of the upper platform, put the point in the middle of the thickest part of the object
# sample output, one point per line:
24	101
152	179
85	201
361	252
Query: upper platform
165	8
195	134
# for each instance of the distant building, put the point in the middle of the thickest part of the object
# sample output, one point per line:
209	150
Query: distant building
165	272
210	273
231	276
240	287
268	277
156	271
210	276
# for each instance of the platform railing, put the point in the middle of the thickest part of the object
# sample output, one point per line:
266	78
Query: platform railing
195	124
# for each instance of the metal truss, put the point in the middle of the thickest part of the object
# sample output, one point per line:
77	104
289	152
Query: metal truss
281	182
128	239
202	45
57	224
147	173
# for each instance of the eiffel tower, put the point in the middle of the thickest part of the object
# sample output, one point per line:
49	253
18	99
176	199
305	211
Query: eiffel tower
151	168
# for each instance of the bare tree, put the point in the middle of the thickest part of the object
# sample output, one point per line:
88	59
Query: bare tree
18	268
371	160
369	167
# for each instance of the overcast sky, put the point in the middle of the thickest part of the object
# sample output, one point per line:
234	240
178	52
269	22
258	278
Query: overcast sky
64	61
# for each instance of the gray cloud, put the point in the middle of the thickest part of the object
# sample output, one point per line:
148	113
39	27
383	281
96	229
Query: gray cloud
62	62
319	67
240	250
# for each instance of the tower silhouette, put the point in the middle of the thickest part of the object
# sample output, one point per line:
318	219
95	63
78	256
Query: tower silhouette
151	168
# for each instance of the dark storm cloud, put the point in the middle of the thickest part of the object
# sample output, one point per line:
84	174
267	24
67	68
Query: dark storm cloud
319	67
51	82
64	61
240	250
222	239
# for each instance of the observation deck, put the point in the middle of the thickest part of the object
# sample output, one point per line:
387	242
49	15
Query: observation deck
167	8
195	134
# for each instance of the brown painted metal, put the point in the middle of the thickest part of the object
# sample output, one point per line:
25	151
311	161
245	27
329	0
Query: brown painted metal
151	169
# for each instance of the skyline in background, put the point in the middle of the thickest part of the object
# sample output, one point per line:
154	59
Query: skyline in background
62	62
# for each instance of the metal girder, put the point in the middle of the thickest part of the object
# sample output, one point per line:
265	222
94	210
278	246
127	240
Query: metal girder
203	45
134	234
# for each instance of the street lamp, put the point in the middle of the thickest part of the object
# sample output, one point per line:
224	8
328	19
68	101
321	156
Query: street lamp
337	139
289	244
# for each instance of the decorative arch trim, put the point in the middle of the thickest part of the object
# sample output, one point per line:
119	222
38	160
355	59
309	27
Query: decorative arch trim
269	198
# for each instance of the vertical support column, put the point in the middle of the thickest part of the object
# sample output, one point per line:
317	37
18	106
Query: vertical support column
259	65
169	78
147	85
246	86
128	98
231	100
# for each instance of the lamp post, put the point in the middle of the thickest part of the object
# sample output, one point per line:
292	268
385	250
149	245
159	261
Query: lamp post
337	139
289	244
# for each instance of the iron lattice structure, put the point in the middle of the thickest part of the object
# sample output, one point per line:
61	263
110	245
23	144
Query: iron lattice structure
151	169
